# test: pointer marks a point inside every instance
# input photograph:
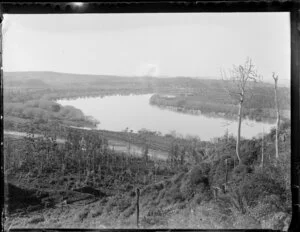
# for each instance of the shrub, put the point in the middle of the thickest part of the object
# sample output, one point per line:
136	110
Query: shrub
158	186
205	167
187	190
156	212
217	171
82	215
250	151
197	176
193	182
177	178
119	203
258	186
174	195
155	217
129	211
97	212
240	171
110	205
36	219
123	203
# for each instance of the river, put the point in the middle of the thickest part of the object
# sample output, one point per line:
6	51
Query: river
134	112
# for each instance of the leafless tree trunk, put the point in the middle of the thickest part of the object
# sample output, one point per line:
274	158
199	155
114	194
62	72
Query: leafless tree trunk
94	168
262	149
80	166
240	76
278	116
137	207
238	140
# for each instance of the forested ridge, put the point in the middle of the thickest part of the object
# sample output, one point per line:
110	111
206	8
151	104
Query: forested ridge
215	101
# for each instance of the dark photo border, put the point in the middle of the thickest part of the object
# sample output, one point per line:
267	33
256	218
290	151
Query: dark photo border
291	6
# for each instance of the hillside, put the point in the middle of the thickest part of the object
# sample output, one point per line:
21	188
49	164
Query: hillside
61	185
62	80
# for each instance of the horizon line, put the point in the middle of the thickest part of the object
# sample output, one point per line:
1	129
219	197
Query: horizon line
139	76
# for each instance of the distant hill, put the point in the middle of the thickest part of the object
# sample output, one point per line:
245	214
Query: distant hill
26	83
45	79
55	78
35	83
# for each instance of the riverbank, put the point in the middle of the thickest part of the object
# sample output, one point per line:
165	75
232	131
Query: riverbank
195	105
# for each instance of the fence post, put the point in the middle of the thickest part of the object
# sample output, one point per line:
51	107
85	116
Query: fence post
137	207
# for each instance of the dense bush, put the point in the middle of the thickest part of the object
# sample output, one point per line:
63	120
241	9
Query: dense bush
259	185
197	176
43	111
250	151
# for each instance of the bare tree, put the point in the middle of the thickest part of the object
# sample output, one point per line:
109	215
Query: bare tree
240	76
262	149
275	77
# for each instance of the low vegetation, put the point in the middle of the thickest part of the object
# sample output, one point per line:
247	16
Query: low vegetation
191	185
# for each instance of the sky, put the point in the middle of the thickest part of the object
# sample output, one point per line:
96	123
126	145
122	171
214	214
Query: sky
156	44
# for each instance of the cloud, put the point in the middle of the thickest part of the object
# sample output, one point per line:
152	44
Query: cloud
147	69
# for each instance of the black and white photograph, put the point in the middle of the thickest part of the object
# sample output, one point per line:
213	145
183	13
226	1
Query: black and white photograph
147	120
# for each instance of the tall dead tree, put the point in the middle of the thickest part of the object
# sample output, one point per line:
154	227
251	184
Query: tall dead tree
138	208
275	77
262	149
240	76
